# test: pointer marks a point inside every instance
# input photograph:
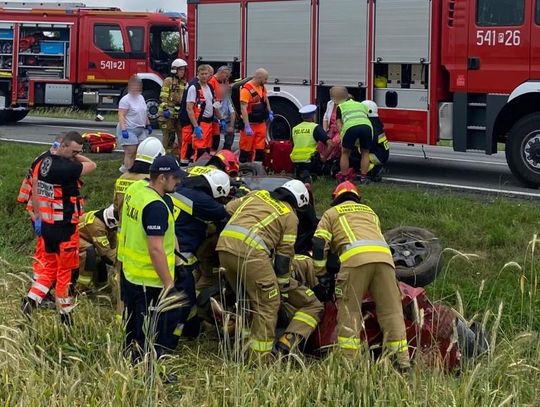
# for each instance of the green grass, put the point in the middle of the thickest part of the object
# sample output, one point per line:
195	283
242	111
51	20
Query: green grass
491	262
72	113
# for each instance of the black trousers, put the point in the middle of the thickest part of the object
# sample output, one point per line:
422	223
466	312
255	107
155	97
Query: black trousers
139	305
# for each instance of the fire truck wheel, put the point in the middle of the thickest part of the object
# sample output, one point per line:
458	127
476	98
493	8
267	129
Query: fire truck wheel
417	255
17	115
253	169
523	150
286	116
152	106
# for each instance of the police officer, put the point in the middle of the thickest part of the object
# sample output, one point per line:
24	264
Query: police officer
171	98
196	205
97	249
352	231
356	132
146	248
256	248
306	135
56	219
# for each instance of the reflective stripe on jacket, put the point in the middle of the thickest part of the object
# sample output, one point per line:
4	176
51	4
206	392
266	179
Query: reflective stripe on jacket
352	231
260	226
304	143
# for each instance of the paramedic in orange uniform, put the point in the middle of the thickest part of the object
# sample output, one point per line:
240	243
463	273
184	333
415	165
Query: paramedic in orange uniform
255	110
58	212
217	81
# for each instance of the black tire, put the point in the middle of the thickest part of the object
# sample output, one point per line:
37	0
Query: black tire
152	106
286	116
252	169
417	255
523	150
18	115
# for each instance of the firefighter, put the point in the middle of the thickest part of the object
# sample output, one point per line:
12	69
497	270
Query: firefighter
306	135
171	97
147	151
146	249
255	111
197	117
256	248
28	198
196	204
219	82
60	207
97	248
352	231
380	149
223	160
356	132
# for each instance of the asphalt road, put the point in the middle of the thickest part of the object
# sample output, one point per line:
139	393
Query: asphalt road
431	166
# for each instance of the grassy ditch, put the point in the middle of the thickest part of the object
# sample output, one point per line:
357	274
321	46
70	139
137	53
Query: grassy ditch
491	274
72	113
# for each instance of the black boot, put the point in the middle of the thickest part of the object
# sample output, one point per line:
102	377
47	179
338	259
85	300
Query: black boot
66	319
27	306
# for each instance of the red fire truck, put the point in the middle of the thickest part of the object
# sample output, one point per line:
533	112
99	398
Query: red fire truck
463	70
65	54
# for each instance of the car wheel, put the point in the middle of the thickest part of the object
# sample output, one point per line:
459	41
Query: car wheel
417	255
251	169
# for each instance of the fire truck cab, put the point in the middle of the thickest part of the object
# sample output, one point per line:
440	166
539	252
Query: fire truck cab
66	54
463	70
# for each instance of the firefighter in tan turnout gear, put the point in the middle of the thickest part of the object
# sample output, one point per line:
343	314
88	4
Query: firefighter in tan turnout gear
171	97
256	249
97	247
352	231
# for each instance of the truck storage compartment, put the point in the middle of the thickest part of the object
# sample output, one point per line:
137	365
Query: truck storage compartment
402	31
342	42
218	32
287	56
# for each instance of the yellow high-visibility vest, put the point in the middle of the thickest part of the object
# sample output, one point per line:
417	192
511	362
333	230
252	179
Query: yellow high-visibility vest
353	114
133	242
304	142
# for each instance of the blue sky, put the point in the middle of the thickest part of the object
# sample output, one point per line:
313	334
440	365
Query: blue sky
140	5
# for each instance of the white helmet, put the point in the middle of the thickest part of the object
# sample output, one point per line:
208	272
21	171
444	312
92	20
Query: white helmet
299	191
149	149
373	109
109	217
177	63
219	183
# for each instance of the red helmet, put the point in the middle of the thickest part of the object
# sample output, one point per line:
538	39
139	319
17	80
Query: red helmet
230	162
344	187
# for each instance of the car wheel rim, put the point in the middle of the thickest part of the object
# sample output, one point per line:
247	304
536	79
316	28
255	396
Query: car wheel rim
152	107
408	251
280	128
530	148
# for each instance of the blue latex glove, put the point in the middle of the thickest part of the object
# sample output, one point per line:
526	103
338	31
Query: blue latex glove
166	114
198	132
271	116
37	226
125	134
223	125
248	130
149	129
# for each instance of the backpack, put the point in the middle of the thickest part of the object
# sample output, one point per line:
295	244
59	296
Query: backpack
183	117
235	98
